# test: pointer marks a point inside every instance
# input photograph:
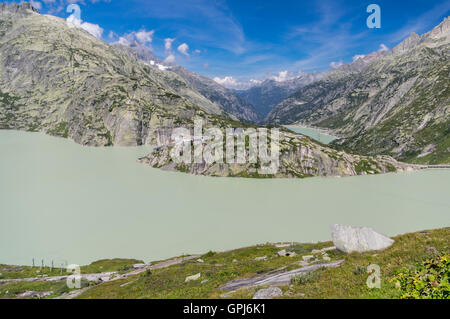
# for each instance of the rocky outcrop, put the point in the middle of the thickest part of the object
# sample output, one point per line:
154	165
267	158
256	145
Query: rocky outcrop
350	239
299	157
277	278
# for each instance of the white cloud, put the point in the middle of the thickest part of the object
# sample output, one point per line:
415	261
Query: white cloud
168	44
170	59
383	48
144	37
283	76
124	41
197	51
232	83
93	29
183	49
335	65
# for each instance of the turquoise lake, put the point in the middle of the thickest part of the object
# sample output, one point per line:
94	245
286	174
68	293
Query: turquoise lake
315	134
65	202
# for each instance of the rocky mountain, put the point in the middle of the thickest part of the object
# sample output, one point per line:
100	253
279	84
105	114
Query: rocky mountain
398	104
224	98
57	78
265	96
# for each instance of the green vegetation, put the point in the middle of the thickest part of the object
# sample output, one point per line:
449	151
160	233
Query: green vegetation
429	281
110	265
343	282
60	130
416	261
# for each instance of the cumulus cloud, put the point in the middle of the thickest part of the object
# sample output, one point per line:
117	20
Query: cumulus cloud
143	37
93	29
383	48
168	44
283	76
231	83
335	65
183	49
170	59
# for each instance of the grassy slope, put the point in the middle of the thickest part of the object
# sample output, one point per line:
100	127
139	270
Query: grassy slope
346	281
408	251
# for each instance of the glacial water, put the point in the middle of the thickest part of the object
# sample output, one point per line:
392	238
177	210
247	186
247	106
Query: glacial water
64	202
315	134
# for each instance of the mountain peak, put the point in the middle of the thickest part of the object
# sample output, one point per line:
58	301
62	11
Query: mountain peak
408	43
442	30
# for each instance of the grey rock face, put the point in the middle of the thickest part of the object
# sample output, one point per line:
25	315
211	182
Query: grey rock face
358	239
268	293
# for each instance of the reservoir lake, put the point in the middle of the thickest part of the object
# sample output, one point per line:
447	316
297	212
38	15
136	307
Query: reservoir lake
65	202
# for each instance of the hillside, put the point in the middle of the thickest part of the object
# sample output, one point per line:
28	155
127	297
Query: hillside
399	104
211	90
127	278
57	78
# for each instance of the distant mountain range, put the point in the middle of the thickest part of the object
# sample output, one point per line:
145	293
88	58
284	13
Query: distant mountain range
395	103
265	96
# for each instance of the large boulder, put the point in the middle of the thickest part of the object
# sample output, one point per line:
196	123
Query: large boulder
358	239
268	293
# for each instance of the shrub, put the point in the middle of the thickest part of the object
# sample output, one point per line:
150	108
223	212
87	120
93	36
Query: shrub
429	281
209	254
305	278
360	270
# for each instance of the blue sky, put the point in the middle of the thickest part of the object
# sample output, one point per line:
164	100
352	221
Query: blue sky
251	39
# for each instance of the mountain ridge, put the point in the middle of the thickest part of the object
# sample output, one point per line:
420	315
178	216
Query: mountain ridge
396	105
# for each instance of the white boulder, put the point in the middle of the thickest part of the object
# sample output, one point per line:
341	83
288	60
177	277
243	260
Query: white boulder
358	239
